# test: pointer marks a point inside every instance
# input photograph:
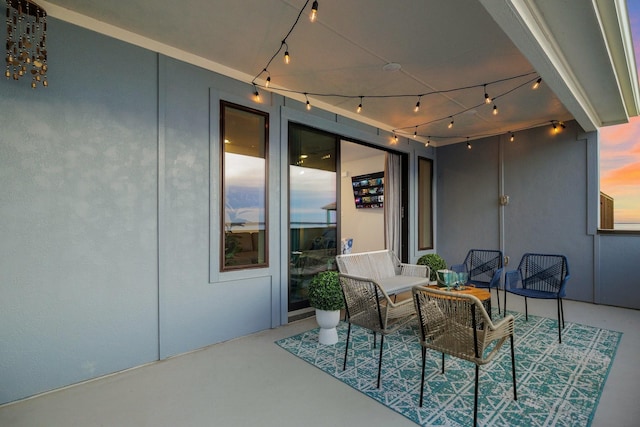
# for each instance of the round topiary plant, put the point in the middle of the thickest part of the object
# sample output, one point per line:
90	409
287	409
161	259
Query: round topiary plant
435	263
324	291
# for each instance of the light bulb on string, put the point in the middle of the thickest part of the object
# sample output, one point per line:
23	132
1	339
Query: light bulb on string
512	138
359	109
287	58
450	124
415	133
487	100
468	144
555	128
426	144
314	12
268	80
495	110
417	107
256	94
536	85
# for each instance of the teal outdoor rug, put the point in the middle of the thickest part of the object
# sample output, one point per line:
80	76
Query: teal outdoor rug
558	384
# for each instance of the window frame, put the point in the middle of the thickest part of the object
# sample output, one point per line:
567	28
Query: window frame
421	213
224	105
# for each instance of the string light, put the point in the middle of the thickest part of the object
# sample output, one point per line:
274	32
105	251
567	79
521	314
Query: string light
536	85
287	58
256	94
495	110
556	125
415	133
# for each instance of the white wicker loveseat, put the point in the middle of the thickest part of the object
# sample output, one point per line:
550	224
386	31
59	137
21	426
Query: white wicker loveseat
384	268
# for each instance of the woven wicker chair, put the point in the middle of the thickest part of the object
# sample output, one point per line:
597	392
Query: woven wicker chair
484	267
539	276
457	324
369	306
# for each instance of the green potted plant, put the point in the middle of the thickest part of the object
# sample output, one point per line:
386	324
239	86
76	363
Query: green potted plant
435	262
325	295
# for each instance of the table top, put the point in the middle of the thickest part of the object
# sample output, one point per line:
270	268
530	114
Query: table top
482	294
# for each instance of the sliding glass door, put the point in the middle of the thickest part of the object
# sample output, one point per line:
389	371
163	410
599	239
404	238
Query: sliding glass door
313	196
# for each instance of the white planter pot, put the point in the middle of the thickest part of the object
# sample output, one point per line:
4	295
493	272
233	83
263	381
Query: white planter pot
328	320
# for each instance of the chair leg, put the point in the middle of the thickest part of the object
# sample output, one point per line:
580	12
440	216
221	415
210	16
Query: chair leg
513	369
504	311
443	363
424	356
346	348
562	312
475	399
380	358
560	326
498	298
526	310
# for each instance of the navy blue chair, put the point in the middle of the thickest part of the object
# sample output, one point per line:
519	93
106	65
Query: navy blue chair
539	276
484	267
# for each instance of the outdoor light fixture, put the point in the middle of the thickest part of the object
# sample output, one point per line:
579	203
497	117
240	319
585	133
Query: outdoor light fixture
26	41
359	109
287	58
536	85
495	110
314	12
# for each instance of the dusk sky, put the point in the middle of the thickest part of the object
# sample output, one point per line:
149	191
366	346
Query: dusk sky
620	150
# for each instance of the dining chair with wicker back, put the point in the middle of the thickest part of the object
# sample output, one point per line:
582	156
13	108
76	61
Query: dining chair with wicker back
457	324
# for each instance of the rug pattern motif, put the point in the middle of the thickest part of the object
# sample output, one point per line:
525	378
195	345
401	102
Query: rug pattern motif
558	384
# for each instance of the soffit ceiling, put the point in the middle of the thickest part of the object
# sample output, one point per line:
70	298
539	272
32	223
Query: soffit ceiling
440	45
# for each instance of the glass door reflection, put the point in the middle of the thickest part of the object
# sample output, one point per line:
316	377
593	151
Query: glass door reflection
313	220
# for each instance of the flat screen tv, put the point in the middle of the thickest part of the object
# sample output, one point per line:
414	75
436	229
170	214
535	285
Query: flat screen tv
368	190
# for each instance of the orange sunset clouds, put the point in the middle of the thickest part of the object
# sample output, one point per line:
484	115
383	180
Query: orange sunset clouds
620	152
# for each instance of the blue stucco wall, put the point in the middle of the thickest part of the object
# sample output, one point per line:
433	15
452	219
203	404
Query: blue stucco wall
552	208
78	197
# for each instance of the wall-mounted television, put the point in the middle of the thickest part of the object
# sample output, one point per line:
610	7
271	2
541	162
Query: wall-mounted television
368	190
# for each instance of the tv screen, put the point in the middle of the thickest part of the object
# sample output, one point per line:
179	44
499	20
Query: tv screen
368	190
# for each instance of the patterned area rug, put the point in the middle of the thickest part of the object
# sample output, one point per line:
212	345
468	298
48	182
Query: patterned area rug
558	384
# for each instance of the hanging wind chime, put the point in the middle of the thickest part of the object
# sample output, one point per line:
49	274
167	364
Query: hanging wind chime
26	41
